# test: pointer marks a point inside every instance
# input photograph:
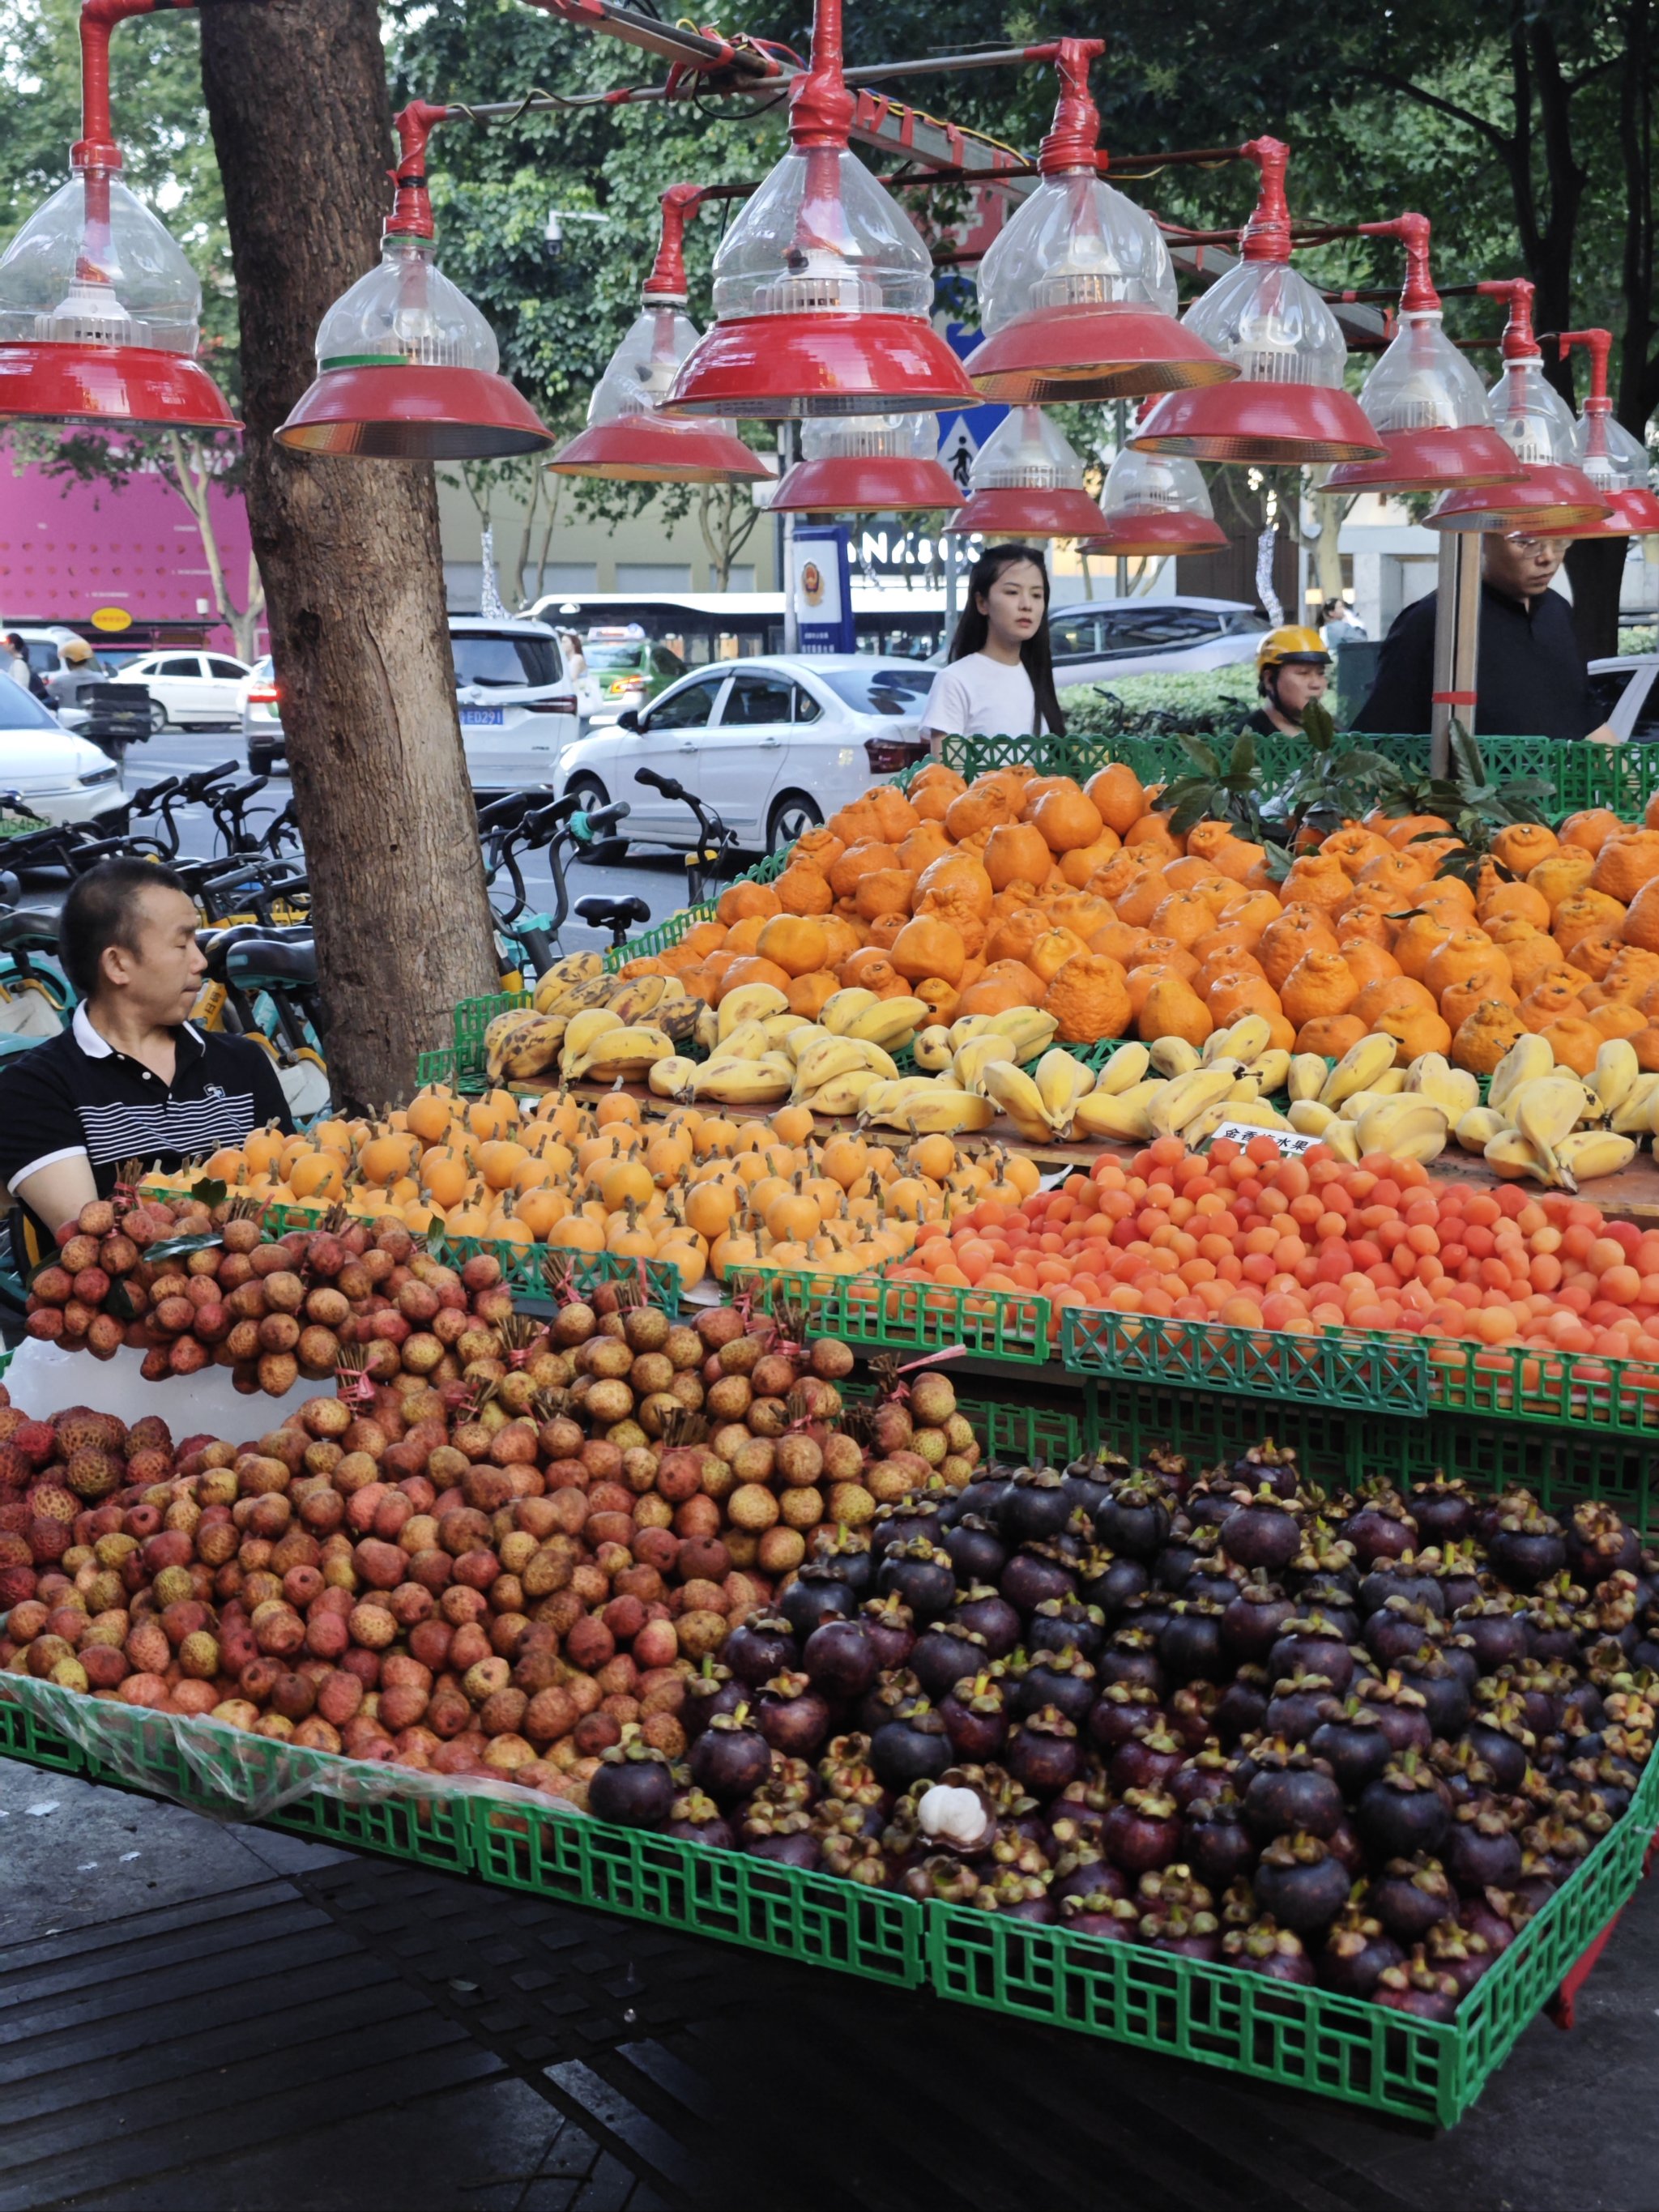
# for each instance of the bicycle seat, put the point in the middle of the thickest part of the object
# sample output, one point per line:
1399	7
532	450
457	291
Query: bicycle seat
260	960
604	912
28	925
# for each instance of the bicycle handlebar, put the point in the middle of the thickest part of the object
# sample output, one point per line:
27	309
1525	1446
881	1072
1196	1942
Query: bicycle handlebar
665	784
197	787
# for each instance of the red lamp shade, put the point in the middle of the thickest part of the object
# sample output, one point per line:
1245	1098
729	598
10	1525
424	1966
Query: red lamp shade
1423	397
1288	404
1076	295
628	438
1155	504
1554	495
99	311
407	367
868	465
1027	482
1615	462
822	286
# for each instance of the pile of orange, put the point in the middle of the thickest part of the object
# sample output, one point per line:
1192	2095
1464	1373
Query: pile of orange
693	1188
1022	889
1242	1237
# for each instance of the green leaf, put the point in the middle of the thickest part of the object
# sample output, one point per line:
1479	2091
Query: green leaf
1204	757
1242	765
1317	726
211	1192
179	1248
117	1303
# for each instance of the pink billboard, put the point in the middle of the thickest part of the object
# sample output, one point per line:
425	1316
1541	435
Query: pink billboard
67	548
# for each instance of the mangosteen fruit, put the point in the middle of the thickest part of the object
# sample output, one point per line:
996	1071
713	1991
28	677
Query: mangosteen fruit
1105	1580
1290	1792
1043	1755
1452	1949
974	1712
955	1816
1085	1871
1298	1705
1143	1831
1403	1811
1261	1535
1035	1572
1381	1529
1062	1679
912	1746
1151	1758
1401	1712
632	1785
759	1648
731	1759
815	1596
921	1575
1064	1623
1505	1745
1266	1948
1599	1543
945	1652
1496	1632
1404	1579
1192	1714
1527	1547
1190	1645
840	1659
977	1552
1397	1627
1480	1851
1315	1643
881	1702
1409	1896
1415	1987
1118	1711
1108	1919
713	1689
1444	1512
1242	1708
1207	1773
793	1715
982	1612
1496	1916
1299	1881
1215	1843
1039	1505
846	1554
1256	1618
1269	1466
1132	1656
1351	1743
1357	1949
1444	1688
1188	1935
1135	1520
696	1819
890	1627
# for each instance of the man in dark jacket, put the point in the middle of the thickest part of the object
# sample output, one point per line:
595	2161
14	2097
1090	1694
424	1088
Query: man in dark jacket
1530	676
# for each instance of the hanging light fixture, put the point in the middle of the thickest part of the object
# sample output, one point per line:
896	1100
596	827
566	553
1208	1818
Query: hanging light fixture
1288	404
1615	462
1424	396
868	465
1554	495
1027	482
822	286
99	311
1077	293
628	438
407	367
1155	504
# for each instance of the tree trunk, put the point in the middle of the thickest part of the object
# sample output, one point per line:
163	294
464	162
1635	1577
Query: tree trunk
1595	567
296	96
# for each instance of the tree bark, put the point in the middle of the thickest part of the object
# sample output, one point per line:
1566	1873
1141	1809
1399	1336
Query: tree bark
296	95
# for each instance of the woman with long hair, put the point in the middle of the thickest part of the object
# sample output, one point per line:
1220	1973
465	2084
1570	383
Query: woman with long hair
999	679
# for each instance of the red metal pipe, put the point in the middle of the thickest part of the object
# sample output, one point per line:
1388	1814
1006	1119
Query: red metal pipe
1267	235
411	214
1419	296
666	282
1074	134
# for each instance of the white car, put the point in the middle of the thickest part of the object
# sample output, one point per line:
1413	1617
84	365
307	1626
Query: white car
1626	690
774	745
60	778
518	707
194	690
1094	639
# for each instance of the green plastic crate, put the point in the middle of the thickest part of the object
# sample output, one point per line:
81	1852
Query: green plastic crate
734	1898
1361	1368
26	1734
1294	2037
663	934
872	1311
1031	1436
1618	1397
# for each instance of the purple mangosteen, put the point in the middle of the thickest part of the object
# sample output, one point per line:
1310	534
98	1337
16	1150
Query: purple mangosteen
1266	1948
944	1653
1397	1627
1453	1949
1256	1618
793	1715
1064	1623
1480	1851
1356	1951
1108	1919
1190	1646
1152	1758
1132	1656
1496	1916
1269	1466
1444	1688
890	1627
1291	1791
1135	1520
1043	1755
713	1689
815	1595
1380	1528
731	1759
1118	1711
1262	1534
1192	1712
1301	1883
696	1819
840	1659
1085	1871
1242	1708
1215	1843
1143	1831
1108	1582
977	1552
1206	1773
1418	1988
1409	1896
912	1746
1444	1512
1599	1544
1062	1679
1405	1579
632	1785
1527	1547
1403	1811
922	1576
976	1719
1037	1507
982	1612
759	1648
1353	1743
1315	1643
1496	1632
1036	1571
1401	1711
1298	1705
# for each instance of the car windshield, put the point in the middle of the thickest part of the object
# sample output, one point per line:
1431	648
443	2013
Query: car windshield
613	656
21	710
897	691
499	661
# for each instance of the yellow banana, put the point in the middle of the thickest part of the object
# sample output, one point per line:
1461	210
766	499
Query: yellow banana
1528	1060
1122	1116
938	1111
1305	1077
639	997
1510	1154
1358	1069
624	1054
843	1094
681	1017
971	1058
1246	1087
1615	1074
1061	1080
1254	1113
1341	1141
1126	1067
1309	1118
1031	1029
825	1059
885	1095
1548	1111
1475	1130
1635	1116
1405	1128
790	1033
1202	1126
970	1025
1015	1094
1173	1056
932	1048
1271	1069
672	1077
749	1002
581	1034
565	997
842	1008
744	1082
532	1048
748	1041
1186	1096
1246	1038
1432	1076
891	1023
707	1033
1588	1154
496	1038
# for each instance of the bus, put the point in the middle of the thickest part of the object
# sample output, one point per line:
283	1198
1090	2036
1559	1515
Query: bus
705	626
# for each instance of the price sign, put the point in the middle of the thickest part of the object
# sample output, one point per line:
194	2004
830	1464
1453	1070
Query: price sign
111	618
1288	1141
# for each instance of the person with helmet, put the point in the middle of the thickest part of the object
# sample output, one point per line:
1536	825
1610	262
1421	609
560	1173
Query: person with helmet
1292	669
79	669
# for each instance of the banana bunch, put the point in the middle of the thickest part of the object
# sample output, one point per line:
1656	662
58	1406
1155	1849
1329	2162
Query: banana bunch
599	1047
1554	1126
1020	1034
926	1106
1174	1089
1365	1103
1043	1104
528	1041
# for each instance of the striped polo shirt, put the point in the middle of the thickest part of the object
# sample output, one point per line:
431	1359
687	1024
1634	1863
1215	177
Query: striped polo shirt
76	1094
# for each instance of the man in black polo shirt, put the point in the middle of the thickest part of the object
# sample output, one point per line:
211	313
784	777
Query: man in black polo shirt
132	1079
1530	677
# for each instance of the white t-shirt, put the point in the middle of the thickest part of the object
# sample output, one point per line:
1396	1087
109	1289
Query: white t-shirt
979	697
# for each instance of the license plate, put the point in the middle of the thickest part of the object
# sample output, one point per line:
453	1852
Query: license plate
481	718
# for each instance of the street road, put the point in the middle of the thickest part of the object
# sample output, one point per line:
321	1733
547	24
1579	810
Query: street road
658	878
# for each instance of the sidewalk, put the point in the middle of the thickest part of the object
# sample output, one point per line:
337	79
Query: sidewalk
201	2019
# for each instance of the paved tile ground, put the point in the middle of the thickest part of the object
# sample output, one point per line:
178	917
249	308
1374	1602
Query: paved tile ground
196	2018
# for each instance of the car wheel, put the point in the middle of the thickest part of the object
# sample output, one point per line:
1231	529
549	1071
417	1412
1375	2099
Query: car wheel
591	793
260	760
158	718
793	816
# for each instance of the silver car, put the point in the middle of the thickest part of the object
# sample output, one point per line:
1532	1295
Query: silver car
517	706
